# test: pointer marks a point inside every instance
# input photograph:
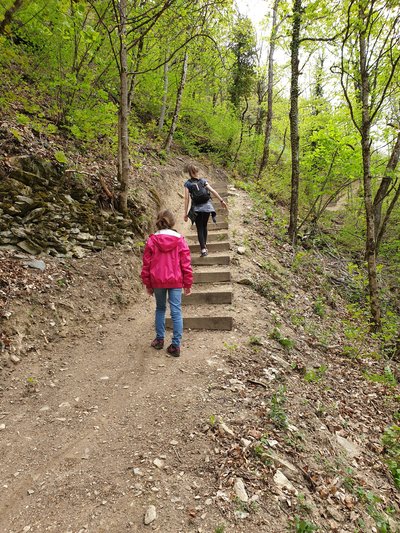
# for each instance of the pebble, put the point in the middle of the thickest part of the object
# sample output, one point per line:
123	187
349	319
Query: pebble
225	429
151	515
38	264
241	250
240	490
15	359
174	443
282	482
158	463
2	426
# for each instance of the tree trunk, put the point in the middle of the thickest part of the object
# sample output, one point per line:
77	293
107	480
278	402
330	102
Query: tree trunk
243	116
8	16
172	129
123	134
270	92
294	122
382	228
370	245
136	63
385	184
165	96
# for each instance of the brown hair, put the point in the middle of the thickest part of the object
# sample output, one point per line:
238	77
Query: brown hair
165	220
192	170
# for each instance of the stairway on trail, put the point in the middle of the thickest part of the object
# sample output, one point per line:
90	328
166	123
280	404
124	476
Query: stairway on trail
208	307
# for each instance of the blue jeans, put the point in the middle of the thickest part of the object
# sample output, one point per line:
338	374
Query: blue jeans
174	299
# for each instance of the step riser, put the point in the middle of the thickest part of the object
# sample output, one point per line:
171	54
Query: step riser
212	247
218	226
213	237
211	277
203	298
211	260
221	323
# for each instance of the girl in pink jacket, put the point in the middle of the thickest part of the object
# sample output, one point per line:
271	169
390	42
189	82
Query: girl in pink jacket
166	270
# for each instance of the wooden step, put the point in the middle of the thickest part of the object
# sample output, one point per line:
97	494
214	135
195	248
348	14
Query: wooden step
222	323
222	246
211	260
216	297
215	276
211	238
218	226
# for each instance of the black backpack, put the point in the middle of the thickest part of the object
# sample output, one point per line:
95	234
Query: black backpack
198	192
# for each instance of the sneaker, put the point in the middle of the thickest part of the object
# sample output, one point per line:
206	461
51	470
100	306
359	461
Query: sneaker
204	252
158	344
175	351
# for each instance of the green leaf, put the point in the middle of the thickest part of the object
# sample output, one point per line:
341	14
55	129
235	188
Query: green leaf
60	156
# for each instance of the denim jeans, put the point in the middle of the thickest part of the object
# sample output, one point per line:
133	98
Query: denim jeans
174	299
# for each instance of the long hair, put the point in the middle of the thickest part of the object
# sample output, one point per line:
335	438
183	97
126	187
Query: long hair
165	220
192	170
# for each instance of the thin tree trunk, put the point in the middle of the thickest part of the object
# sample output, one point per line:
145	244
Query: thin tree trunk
165	96
241	130
283	147
270	92
134	79
172	129
370	245
124	111
385	221
385	184
294	122
8	16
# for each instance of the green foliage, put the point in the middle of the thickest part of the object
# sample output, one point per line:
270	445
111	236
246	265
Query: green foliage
299	525
60	156
255	341
314	375
319	307
277	409
283	341
219	529
387	378
391	441
373	504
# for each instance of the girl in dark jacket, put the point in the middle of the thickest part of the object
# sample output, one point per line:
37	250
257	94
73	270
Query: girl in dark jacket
201	211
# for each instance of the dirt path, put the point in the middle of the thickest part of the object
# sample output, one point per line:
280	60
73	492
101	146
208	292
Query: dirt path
109	426
81	438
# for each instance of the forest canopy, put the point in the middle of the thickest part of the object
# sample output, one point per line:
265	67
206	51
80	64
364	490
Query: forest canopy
305	114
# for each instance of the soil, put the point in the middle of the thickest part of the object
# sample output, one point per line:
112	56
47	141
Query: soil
96	425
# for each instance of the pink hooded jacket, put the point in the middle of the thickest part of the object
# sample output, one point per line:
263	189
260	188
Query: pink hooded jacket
167	262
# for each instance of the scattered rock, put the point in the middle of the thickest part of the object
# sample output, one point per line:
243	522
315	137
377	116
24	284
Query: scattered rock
38	264
283	483
245	281
240	490
151	515
241	250
334	513
2	426
351	448
224	429
158	463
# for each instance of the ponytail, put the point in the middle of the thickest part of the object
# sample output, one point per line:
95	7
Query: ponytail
165	220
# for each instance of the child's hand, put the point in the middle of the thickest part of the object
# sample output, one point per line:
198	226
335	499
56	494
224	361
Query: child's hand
149	291
185	218
187	291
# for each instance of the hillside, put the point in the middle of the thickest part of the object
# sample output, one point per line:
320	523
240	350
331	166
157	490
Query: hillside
274	426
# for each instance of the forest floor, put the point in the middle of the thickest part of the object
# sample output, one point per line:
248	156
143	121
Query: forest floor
266	428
